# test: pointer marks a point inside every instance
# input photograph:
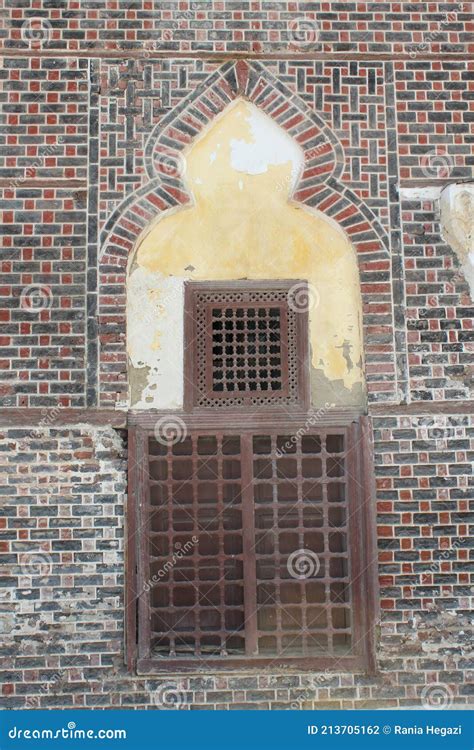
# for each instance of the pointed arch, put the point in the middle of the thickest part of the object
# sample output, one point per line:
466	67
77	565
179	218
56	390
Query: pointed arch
319	187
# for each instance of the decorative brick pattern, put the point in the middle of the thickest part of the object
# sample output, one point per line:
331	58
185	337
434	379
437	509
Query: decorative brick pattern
372	144
242	26
45	106
347	99
439	311
378	94
61	541
320	187
42	293
434	114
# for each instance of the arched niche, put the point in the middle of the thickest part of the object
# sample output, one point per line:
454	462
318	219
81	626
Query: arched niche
242	223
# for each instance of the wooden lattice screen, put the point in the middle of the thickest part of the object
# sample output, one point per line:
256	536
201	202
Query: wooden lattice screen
252	548
245	345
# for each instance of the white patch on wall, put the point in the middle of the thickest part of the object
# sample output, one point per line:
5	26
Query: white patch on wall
430	193
457	222
155	338
270	146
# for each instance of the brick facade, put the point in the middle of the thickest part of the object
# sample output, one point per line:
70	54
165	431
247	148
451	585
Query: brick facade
62	539
380	98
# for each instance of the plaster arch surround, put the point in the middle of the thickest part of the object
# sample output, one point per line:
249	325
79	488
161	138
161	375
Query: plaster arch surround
242	224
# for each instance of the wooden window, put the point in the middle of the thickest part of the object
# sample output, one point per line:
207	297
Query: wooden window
251	526
246	345
254	546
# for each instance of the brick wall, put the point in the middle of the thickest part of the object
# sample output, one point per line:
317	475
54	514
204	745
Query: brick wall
85	92
439	310
61	538
227	26
89	124
42	293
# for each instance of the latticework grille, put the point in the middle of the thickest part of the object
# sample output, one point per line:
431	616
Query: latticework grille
248	542
247	349
196	567
244	347
302	571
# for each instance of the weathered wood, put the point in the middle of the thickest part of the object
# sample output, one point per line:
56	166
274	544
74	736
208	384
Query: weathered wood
263	419
56	417
422	407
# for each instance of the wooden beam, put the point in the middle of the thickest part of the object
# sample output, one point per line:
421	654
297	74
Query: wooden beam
56	417
422	407
416	182
116	53
247	421
47	182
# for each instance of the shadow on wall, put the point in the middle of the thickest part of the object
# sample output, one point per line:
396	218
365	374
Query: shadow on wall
243	224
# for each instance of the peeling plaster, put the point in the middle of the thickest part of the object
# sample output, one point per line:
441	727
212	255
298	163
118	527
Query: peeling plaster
457	220
242	224
155	339
334	391
268	145
346	353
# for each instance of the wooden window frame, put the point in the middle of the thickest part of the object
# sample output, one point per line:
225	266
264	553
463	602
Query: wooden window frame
361	542
300	346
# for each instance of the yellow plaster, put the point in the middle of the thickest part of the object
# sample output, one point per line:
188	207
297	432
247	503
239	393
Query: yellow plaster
245	226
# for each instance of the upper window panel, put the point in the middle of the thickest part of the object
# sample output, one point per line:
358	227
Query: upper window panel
246	345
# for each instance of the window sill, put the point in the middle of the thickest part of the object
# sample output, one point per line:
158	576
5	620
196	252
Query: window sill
248	664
